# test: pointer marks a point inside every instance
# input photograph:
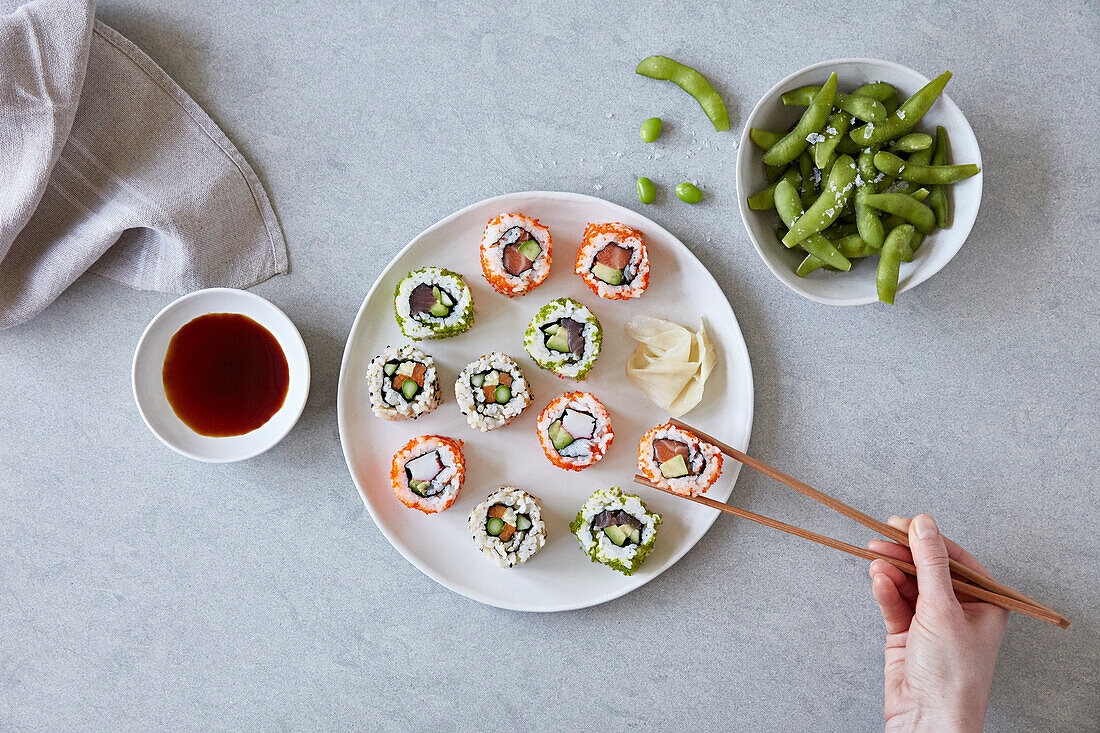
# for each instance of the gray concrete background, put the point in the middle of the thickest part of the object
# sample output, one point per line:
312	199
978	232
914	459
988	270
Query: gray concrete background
139	590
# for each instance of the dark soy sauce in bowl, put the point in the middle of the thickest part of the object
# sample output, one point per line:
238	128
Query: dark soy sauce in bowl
225	375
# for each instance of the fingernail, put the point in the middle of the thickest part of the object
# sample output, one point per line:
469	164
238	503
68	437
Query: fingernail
925	526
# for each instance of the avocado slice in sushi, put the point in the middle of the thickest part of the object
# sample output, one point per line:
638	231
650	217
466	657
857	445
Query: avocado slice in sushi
443	303
636	536
558	435
616	534
530	249
609	275
559	341
420	488
674	467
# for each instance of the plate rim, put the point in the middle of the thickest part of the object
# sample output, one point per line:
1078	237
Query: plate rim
341	417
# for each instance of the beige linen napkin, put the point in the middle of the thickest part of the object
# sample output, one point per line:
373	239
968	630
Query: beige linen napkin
107	166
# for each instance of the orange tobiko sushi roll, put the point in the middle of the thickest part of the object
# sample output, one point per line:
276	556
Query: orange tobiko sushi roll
428	472
677	460
575	431
613	261
515	253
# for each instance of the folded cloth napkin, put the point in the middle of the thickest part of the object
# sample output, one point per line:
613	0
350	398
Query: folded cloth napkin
107	166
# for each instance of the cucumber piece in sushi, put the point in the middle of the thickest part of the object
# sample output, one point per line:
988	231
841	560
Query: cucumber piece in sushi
613	261
616	529
492	391
507	527
403	383
515	254
433	302
565	338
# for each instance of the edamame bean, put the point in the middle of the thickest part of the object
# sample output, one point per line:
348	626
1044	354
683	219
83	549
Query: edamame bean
692	82
813	119
765	198
906	207
863	107
824	211
689	193
651	129
647	192
937	200
907	115
889	262
912	142
891	164
834	130
764	139
789	208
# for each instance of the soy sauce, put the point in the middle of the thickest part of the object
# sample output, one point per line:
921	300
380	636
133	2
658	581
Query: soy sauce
224	375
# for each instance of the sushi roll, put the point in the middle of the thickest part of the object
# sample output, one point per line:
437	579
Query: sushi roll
507	527
564	337
515	254
613	261
677	460
433	303
403	384
492	391
428	472
575	431
616	529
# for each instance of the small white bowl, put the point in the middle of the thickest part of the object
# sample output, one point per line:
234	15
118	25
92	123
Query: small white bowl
148	381
858	286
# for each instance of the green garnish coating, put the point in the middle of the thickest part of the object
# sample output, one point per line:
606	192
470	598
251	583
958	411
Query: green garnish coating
692	82
502	394
647	191
689	193
651	129
494	526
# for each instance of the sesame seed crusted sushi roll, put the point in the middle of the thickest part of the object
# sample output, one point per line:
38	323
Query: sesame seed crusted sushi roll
575	431
428	472
492	391
616	529
507	527
613	261
565	338
403	384
676	459
515	254
433	303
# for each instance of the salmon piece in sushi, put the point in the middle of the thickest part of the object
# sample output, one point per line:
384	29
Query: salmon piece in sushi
677	460
515	253
428	472
613	261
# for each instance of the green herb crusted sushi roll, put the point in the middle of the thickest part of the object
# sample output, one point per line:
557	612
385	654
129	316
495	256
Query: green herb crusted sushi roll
507	527
565	338
433	303
616	529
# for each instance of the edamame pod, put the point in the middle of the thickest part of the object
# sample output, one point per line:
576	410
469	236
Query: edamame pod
808	265
789	208
834	130
906	207
765	198
824	211
813	119
863	107
854	246
847	147
907	115
764	139
692	82
937	200
773	172
880	90
912	142
889	262
807	189
647	192
892	165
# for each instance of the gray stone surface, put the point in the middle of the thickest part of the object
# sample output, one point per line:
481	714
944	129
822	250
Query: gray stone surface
140	590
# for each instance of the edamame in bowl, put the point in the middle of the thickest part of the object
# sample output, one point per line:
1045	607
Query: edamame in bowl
914	247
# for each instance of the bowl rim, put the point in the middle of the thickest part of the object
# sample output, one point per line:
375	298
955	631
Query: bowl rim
302	373
919	275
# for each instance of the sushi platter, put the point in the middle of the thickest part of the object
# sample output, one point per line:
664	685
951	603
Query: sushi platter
497	453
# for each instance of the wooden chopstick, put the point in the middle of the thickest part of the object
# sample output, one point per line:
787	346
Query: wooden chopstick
1012	604
882	528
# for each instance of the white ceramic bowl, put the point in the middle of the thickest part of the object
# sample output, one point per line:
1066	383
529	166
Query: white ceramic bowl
858	286
148	382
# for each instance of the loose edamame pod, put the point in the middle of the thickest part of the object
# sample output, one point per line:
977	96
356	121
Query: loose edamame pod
647	192
937	200
789	208
765	198
824	211
764	139
863	107
692	82
889	262
813	119
689	193
906	207
912	142
892	165
651	129
907	115
835	129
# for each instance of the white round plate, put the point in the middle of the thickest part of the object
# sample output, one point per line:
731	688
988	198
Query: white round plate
560	576
148	382
857	287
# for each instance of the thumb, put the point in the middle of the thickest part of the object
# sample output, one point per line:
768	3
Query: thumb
933	566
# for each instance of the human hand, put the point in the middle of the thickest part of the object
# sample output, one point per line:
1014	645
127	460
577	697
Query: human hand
940	648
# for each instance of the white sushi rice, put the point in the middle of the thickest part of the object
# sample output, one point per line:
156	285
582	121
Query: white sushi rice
582	452
493	251
634	273
471	400
524	543
444	486
425	325
704	460
598	545
564	365
389	403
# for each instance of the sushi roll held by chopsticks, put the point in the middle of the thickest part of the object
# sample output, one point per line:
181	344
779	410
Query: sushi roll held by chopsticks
677	460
